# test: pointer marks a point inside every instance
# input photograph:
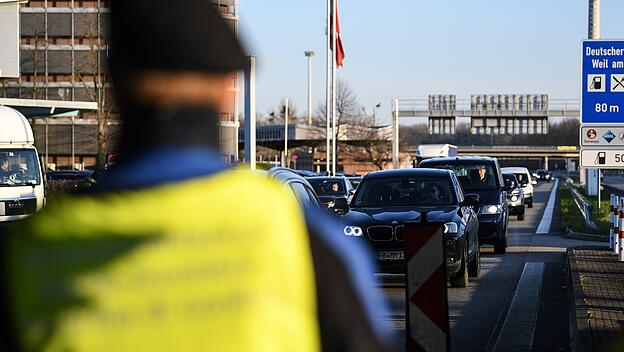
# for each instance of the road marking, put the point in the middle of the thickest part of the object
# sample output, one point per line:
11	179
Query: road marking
519	326
544	225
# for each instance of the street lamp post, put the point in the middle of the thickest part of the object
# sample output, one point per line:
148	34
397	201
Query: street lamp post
395	135
375	113
309	55
286	163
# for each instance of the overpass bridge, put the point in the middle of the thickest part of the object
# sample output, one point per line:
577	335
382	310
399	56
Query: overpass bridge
467	108
489	113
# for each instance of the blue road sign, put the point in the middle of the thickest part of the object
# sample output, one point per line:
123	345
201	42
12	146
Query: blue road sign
602	97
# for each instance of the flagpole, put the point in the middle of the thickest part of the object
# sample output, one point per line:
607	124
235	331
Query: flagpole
333	104
328	86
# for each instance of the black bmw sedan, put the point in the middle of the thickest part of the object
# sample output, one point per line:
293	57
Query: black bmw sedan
385	200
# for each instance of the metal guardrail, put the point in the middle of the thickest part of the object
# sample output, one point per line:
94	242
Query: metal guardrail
583	204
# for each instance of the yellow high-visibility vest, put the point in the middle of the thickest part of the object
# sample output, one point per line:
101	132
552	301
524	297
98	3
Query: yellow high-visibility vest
220	263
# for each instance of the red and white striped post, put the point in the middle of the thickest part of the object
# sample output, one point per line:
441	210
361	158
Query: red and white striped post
427	305
616	225
621	229
611	220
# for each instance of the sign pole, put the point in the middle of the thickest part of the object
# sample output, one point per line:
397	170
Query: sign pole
250	113
599	190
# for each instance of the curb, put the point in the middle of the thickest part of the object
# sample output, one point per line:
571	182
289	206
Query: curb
580	337
585	237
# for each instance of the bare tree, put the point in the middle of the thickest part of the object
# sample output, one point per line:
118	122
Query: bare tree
348	110
277	116
38	43
94	79
376	143
355	131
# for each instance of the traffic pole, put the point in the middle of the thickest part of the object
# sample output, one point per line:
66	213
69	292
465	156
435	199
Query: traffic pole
621	229
611	209
616	225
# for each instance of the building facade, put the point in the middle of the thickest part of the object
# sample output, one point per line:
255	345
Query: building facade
63	57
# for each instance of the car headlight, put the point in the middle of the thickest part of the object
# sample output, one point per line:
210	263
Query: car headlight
353	231
514	198
451	228
491	209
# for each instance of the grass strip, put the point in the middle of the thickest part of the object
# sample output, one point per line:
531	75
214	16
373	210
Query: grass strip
572	218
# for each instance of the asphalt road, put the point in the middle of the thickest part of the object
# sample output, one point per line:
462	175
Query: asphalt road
480	315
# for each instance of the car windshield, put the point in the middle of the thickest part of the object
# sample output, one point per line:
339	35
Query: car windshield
19	167
328	187
404	191
472	177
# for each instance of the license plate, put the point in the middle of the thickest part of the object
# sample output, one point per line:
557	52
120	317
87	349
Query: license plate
14	205
391	255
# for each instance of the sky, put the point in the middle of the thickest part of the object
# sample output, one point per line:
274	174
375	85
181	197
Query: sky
409	49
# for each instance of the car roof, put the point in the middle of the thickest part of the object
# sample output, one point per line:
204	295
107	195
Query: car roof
408	172
515	169
447	159
283	174
336	178
70	172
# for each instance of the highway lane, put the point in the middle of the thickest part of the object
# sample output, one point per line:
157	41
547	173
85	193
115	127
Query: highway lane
478	313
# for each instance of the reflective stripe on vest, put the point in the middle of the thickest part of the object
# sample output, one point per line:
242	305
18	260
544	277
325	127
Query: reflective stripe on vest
214	264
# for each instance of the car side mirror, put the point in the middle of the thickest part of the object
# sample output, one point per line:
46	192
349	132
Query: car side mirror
470	200
351	192
340	204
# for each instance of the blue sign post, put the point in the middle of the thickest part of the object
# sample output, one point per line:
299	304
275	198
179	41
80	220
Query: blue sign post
602	98
602	104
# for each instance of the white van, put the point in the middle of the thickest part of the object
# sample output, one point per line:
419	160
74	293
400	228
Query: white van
21	181
429	151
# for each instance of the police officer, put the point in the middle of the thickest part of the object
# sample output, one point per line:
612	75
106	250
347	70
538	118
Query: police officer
190	257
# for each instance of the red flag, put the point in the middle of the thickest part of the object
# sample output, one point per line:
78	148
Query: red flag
340	53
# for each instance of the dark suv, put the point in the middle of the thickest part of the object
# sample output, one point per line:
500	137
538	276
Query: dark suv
482	176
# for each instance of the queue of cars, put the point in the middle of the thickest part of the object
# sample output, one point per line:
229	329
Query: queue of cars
472	196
